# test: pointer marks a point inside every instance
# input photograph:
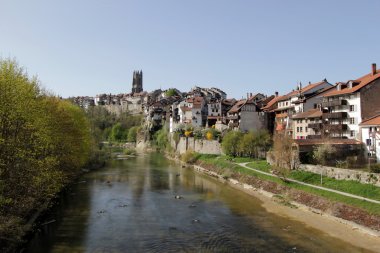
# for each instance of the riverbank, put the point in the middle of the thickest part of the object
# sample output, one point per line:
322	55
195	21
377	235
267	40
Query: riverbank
322	218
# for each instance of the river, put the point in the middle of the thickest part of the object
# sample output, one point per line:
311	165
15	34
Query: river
130	206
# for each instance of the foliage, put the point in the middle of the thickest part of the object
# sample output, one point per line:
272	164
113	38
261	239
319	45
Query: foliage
189	156
170	92
252	144
132	134
161	138
375	168
284	153
324	153
211	133
129	151
117	132
231	143
44	141
198	133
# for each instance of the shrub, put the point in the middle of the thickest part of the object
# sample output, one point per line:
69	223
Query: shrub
375	168
324	153
129	151
189	156
231	142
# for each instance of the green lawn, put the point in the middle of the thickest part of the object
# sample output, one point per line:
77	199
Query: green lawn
352	187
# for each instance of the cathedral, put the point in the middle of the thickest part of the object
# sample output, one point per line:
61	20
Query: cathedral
137	83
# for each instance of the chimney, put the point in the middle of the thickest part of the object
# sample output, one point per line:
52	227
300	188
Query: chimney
247	95
276	93
373	69
250	94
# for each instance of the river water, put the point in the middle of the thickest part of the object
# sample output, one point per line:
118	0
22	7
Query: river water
130	206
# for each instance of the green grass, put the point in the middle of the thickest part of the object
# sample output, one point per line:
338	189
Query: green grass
352	187
260	165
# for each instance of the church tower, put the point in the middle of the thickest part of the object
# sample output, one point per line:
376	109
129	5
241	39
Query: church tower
137	83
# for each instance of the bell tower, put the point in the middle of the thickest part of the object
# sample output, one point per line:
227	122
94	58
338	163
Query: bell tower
137	83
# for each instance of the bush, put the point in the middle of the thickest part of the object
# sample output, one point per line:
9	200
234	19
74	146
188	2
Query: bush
129	151
189	156
231	143
324	154
375	168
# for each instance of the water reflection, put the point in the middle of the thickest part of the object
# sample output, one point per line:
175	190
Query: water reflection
131	207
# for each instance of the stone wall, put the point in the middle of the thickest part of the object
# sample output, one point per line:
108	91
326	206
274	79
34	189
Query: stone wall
200	146
343	174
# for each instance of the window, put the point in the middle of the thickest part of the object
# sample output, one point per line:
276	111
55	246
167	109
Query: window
352	121
298	129
301	129
352	108
368	142
352	133
306	129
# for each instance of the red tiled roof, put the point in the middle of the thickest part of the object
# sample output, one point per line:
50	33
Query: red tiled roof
312	113
236	107
363	81
273	102
371	121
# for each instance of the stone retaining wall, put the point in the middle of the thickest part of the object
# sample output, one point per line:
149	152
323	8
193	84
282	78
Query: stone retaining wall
343	174
200	146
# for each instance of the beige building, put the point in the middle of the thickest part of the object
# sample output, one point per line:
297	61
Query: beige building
307	125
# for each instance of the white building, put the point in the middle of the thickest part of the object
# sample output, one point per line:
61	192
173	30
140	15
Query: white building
370	136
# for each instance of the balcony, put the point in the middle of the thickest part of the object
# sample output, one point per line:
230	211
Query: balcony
335	102
314	136
335	127
334	115
315	125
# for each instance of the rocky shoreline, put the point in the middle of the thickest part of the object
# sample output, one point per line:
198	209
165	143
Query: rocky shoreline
350	224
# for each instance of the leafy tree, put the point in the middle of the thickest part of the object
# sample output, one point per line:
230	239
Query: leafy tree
247	144
324	153
231	143
117	132
132	134
170	92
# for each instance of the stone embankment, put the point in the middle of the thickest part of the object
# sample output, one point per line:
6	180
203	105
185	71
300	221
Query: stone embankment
352	216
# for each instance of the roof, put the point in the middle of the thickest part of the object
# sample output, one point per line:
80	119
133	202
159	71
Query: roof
236	107
306	88
273	102
312	113
265	101
282	115
363	81
306	142
375	120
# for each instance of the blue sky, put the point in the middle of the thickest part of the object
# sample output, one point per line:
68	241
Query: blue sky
89	47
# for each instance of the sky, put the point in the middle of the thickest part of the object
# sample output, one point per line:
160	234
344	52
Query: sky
89	47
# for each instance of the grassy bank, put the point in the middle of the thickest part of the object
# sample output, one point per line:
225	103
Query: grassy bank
228	168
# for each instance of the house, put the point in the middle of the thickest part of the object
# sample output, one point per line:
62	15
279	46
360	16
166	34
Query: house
217	110
307	125
349	104
245	115
296	101
370	136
